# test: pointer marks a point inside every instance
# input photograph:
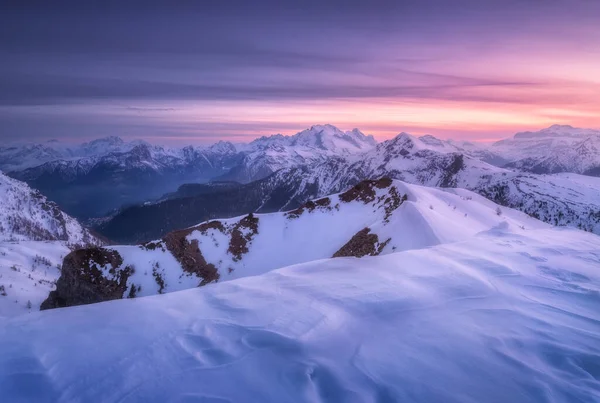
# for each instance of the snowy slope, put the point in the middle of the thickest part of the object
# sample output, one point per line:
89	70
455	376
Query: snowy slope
555	149
507	315
563	199
27	215
28	272
35	236
374	217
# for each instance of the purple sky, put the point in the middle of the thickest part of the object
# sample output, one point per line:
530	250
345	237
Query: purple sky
208	70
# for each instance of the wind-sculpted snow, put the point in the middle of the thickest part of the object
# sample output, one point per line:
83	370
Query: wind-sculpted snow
507	315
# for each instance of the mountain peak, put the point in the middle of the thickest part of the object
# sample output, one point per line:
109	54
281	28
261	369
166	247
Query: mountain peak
326	126
431	140
557	130
559	127
113	140
330	138
223	147
404	137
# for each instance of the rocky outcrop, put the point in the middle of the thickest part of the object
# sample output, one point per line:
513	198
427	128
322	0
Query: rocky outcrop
189	256
311	205
89	276
365	191
241	235
363	243
97	274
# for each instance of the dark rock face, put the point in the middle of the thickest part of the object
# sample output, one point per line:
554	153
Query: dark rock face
456	165
365	190
241	235
363	243
188	253
82	282
392	202
310	206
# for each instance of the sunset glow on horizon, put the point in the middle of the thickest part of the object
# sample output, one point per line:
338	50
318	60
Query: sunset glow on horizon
454	69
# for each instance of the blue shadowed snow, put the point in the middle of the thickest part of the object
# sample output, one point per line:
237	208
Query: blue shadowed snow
502	317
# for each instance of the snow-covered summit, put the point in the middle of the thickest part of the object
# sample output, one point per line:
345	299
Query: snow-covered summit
316	144
223	147
558	131
330	138
321	139
102	146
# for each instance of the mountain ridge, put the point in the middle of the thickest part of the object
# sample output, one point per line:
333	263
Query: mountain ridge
361	221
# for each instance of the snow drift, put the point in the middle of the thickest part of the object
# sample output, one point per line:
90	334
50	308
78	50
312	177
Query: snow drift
505	315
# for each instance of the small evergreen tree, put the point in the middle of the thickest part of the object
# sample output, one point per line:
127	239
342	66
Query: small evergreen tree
132	291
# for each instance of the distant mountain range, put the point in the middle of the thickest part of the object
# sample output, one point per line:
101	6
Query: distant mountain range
560	199
91	179
95	178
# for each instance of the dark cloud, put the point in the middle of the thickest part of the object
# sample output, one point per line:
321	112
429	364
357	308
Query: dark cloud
46	89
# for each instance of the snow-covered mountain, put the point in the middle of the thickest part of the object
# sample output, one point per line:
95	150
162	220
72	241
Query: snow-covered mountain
267	155
35	236
555	149
413	160
558	148
106	174
93	178
22	156
372	218
507	314
560	199
92	186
